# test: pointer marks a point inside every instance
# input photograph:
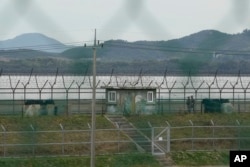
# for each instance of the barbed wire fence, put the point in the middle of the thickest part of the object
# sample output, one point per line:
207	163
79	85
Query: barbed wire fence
75	91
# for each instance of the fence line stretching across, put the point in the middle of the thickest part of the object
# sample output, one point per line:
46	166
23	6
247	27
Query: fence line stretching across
171	91
76	142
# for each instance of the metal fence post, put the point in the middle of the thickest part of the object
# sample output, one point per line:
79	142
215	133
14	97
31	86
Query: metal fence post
79	93
238	131
40	89
4	140
221	88
184	94
212	123
168	137
245	88
118	136
195	90
25	88
192	134
89	126
33	139
52	85
13	88
160	110
169	88
152	138
67	94
63	136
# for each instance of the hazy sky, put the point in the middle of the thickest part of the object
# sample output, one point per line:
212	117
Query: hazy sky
75	20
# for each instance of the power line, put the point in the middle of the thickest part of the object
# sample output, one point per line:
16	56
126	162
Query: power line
175	49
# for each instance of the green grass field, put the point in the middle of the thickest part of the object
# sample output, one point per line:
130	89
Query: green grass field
127	160
179	158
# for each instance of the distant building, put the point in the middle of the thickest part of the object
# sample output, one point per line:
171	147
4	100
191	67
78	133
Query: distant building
130	100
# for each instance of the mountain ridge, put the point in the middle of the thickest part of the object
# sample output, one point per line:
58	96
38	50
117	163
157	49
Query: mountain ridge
204	51
33	41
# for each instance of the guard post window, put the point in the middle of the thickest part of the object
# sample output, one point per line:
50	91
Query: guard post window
112	96
150	96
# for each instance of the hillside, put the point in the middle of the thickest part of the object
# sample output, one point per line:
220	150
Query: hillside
204	42
33	41
202	52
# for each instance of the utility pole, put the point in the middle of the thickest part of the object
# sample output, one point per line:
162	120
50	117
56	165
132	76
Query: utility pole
93	116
